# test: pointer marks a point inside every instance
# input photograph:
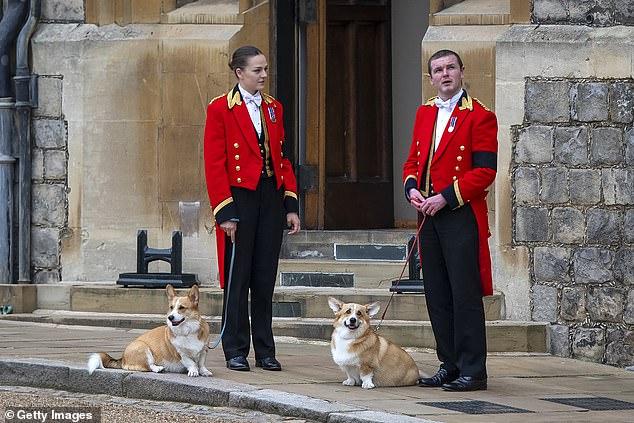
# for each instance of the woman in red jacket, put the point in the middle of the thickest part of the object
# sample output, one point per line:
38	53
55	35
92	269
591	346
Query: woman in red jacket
253	194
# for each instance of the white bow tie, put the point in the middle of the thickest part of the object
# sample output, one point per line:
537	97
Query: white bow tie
257	98
443	104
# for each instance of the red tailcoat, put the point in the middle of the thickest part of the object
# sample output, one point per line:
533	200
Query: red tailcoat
233	158
462	167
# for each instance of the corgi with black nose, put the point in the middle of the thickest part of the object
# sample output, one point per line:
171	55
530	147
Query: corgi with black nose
178	346
366	358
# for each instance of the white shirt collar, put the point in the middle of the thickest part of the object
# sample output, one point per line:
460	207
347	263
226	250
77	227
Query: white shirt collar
453	100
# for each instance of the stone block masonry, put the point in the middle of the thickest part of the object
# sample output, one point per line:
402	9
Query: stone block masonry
49	215
573	207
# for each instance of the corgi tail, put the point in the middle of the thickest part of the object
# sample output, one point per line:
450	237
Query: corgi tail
102	360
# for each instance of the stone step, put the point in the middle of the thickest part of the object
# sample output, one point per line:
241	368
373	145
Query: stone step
341	274
379	244
302	302
502	336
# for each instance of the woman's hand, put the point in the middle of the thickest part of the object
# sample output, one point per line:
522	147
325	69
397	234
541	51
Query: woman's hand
292	220
230	229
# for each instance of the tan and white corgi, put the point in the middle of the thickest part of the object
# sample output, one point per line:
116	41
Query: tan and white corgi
179	345
368	359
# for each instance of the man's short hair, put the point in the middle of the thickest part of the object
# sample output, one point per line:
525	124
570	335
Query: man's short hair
443	53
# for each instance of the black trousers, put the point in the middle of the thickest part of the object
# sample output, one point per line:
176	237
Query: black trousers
258	243
451	274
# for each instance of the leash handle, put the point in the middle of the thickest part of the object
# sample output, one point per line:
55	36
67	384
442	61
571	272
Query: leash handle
409	255
224	320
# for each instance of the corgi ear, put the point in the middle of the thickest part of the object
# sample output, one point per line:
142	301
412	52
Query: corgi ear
194	294
335	304
170	292
372	309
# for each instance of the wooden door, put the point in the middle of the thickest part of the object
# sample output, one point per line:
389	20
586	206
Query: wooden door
359	190
349	116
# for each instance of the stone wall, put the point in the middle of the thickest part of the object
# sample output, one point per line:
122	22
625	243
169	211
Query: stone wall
49	129
573	208
584	12
49	219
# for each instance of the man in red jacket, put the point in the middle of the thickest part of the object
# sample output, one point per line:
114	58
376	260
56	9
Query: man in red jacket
451	162
253	194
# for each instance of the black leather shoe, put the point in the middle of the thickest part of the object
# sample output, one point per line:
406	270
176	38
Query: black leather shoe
438	380
268	363
239	363
466	383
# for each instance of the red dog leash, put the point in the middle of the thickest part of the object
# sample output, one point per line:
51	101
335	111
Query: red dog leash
409	254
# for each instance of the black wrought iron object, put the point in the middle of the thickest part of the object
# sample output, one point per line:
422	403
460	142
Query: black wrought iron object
145	255
414	283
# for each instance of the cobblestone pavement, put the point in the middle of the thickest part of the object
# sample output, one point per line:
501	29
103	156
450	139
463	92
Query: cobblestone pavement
126	410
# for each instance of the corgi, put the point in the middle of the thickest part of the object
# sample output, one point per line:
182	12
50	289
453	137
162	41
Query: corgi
179	345
368	359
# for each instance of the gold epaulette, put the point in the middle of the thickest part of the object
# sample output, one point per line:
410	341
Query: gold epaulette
481	104
430	102
268	99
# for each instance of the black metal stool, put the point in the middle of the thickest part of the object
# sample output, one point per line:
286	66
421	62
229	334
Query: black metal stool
413	284
145	255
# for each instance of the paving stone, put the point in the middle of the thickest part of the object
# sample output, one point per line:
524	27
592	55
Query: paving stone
605	304
607	146
32	372
593	265
178	387
571	145
373	417
568	225
287	404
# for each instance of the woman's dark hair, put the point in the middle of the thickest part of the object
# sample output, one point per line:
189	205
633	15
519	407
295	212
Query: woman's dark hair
443	53
241	56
